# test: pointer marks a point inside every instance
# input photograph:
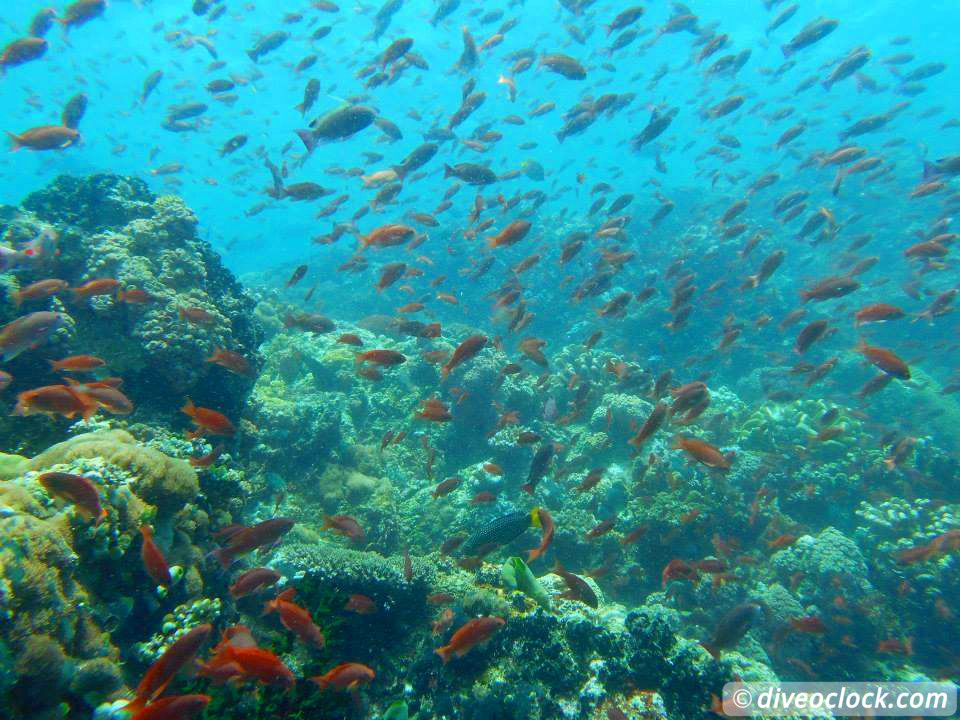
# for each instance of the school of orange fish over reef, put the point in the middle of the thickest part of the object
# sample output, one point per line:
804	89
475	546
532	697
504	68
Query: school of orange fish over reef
444	358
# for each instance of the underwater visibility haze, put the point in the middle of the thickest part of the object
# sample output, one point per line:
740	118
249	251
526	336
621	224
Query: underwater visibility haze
511	360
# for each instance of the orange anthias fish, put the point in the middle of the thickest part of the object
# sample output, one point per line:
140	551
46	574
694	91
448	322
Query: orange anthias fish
105	394
234	362
207	421
237	661
465	351
702	452
469	636
177	656
295	618
55	400
175	707
153	560
360	604
344	525
77	363
381	357
241	540
75	489
253	580
542	519
434	410
347	676
885	360
94	288
205	461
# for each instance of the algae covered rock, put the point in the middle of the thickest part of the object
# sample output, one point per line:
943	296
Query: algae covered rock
48	622
160	480
110	226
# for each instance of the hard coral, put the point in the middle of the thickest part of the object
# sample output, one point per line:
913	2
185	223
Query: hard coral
165	482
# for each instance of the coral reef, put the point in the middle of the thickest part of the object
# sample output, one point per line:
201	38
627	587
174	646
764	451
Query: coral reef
113	227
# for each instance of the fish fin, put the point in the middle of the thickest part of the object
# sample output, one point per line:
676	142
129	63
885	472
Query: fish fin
309	141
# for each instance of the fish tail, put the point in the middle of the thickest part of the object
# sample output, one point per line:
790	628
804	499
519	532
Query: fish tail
444	652
222	556
527	488
54	365
17	143
309	141
444	372
447	171
787	50
711	649
101	517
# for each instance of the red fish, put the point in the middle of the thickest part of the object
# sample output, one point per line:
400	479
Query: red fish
55	400
469	636
466	350
105	394
77	363
601	528
381	357
702	452
205	461
94	288
446	487
252	581
207	421
253	663
153	560
295	618
75	489
242	540
197	316
360	604
344	525
484	496
175	707
885	360
434	410
350	339
347	676
178	655
234	362
677	569
543	520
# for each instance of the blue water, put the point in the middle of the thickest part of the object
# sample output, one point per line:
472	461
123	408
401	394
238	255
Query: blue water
110	57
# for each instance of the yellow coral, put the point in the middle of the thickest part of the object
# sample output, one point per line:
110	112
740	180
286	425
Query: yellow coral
163	481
